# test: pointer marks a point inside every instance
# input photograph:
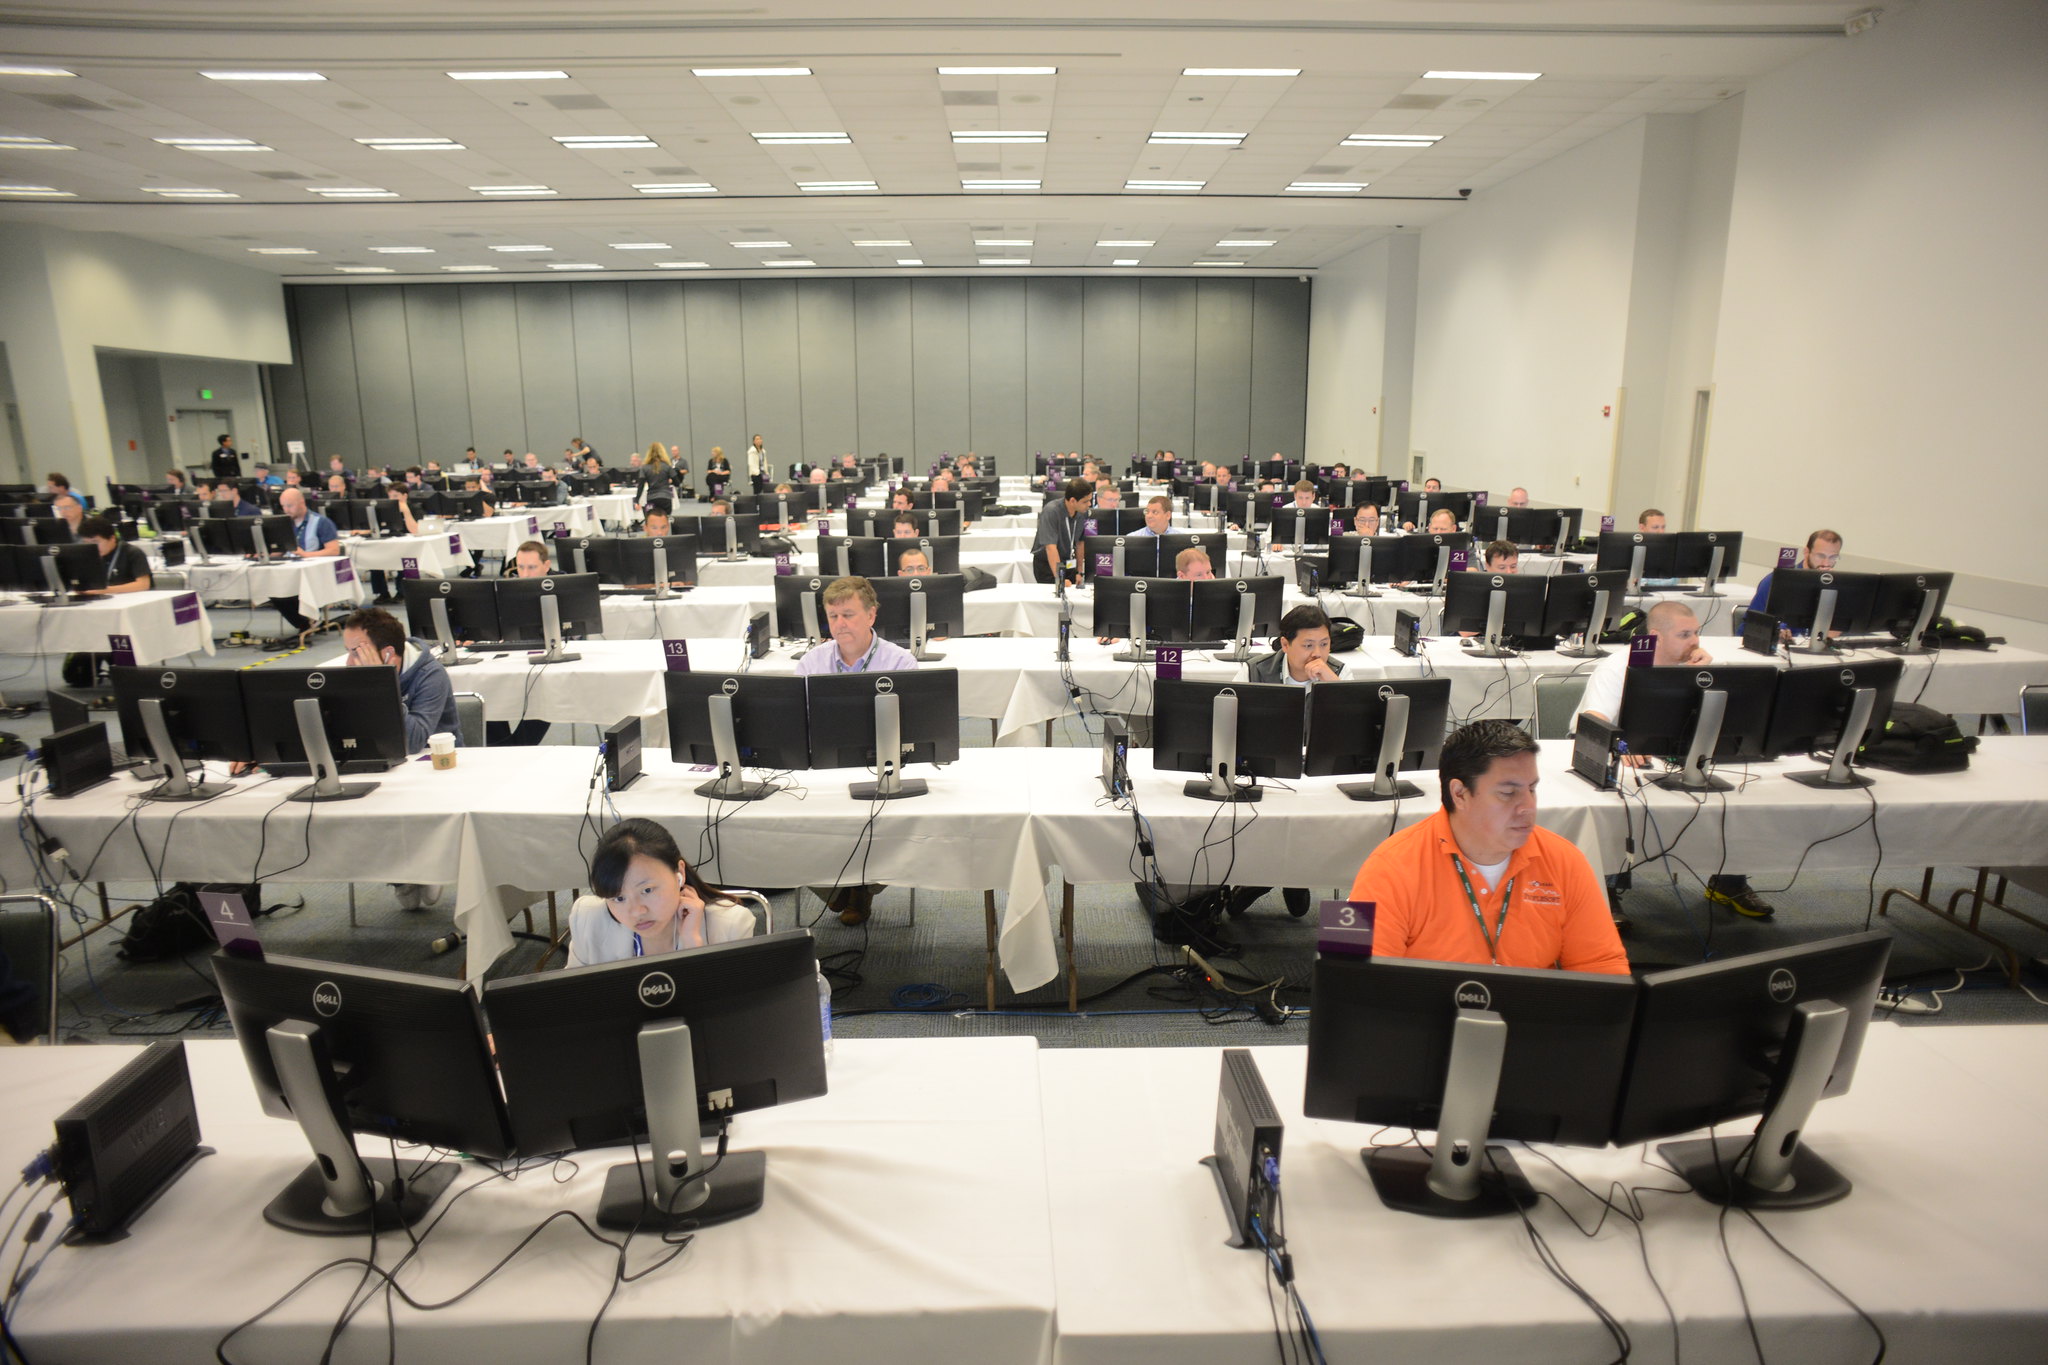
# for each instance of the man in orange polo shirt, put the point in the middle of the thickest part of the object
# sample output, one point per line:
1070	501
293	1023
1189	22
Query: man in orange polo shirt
1479	881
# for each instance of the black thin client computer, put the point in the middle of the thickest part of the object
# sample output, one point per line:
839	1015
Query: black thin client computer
1226	731
1380	727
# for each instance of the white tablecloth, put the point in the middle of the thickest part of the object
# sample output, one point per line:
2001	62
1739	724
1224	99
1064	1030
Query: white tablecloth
440	554
756	572
159	625
905	1218
315	583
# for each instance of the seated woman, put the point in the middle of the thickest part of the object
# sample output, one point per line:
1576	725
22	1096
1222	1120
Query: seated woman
648	901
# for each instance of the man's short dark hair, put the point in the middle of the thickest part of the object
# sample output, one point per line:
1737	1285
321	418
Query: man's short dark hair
904	518
58	479
534	545
96	528
380	627
1502	549
224	436
1470	750
1078	490
1307	616
1811	541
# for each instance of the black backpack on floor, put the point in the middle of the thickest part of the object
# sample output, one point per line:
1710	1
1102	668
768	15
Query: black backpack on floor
174	924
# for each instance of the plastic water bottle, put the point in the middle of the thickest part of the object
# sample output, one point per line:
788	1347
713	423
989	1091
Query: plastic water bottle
825	1011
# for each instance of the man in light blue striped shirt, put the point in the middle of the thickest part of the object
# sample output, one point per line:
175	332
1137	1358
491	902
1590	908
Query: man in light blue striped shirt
850	609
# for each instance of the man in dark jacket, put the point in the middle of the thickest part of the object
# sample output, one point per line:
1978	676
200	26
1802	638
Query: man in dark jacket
227	462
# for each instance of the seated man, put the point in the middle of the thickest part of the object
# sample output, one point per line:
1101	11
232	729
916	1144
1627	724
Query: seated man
1304	495
1304	653
903	526
1480	881
913	564
1653	521
1503	556
1823	551
655	523
317	539
1158	516
1191	565
530	560
899	501
1365	520
850	610
227	494
374	636
127	568
337	487
1443	521
1518	497
1108	495
1432	485
72	512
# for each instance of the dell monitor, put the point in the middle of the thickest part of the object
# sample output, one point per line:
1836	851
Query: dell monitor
662	563
1583	604
1830	707
1236	609
1707	555
800	606
1495	606
1360	561
882	522
181	717
777	509
466	505
378	516
735	721
37	531
1304	525
1819	601
840	556
1112	521
1643	554
1472	1053
1226	731
1768	1034
883	721
911	611
332	720
1426	557
343	1050
1907	605
654	1048
1536	527
1416	507
451	611
1122	556
1381	726
63	570
168	516
1143	610
1698	716
941	552
730	538
552	609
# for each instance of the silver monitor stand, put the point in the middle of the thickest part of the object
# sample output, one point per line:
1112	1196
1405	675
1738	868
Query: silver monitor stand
326	784
891	784
551	635
681	1188
729	785
1451	1182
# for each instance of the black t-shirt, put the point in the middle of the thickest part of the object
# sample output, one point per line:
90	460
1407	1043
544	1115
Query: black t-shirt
126	564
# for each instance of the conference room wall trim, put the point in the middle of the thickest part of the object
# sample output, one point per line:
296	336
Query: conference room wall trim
402	373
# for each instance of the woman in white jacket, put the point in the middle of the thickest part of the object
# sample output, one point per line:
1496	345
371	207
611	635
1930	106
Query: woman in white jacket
648	901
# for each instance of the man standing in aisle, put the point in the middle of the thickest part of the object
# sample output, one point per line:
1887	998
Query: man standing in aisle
1059	526
227	463
757	461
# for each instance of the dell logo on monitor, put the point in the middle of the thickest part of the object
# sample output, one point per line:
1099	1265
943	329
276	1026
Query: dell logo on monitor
1782	985
1705	680
167	681
1138	584
657	989
1386	693
547	585
445	586
1472	995
327	999
1848	677
1241	585
884	684
730	686
315	681
1499	582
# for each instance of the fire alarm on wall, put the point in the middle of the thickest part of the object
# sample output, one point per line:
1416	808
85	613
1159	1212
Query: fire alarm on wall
1607	410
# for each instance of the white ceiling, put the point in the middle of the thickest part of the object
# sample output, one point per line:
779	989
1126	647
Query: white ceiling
874	77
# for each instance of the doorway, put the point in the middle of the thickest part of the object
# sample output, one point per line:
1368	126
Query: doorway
199	430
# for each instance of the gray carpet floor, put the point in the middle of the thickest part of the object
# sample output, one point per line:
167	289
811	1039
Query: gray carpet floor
902	977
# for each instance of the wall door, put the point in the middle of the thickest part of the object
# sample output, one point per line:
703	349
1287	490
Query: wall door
199	432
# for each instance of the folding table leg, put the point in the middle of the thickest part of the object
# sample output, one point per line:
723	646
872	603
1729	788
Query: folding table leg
988	911
1067	933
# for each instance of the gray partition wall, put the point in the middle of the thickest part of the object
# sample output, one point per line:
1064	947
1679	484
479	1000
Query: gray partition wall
403	373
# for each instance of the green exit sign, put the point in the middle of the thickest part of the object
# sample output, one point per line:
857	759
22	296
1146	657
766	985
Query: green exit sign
206	394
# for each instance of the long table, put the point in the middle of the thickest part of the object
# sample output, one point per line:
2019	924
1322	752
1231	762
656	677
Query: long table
158	625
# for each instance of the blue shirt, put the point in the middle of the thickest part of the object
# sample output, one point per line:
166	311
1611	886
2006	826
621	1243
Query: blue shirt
315	532
882	657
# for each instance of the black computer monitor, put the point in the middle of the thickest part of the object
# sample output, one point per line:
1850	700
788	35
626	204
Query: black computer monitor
176	717
1380	726
881	522
1640	554
78	567
1537	527
1426	556
1831	707
800	606
344	1050
867	556
735	721
655	1047
739	534
1237	609
1304	526
1497	607
1698	717
469	606
1417	506
943	552
1227	731
1362	560
1820	601
798	503
465	505
631	561
354	723
523	611
170	515
1707	555
1138	556
1583	604
912	611
36	531
850	710
1112	521
1166	605
1473	1053
381	515
1908	604
1766	1034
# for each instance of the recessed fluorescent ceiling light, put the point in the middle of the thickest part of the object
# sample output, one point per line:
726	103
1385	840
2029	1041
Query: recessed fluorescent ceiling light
682	265
352	191
513	191
1219	262
522	248
679	187
1129	262
1240	71
1481	75
574	265
836	186
601	142
263	75
789	262
999	71
760	246
1195	139
1392	140
215	144
1002	241
1164	184
508	75
1006	260
33	144
977	139
38	191
1132	243
998	184
912	260
364	270
468	269
191	194
641	246
1326	187
800	139
284	251
750	71
412	144
403	250
892	243
1244	244
35	71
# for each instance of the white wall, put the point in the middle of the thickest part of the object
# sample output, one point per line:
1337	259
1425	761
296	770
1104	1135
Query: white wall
1881	336
1521	324
127	385
1347	330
